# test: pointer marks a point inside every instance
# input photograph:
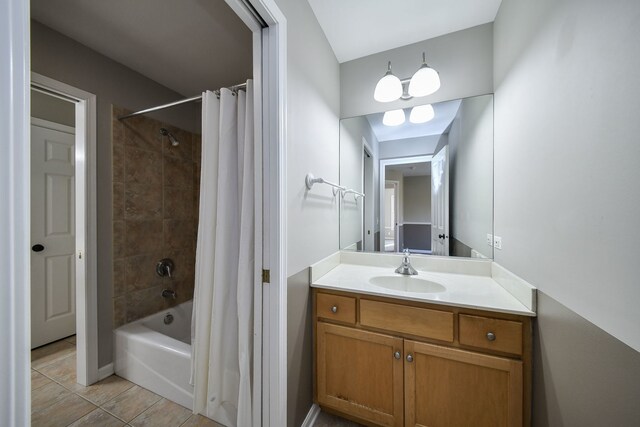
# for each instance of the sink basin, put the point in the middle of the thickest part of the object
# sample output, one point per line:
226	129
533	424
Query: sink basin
407	284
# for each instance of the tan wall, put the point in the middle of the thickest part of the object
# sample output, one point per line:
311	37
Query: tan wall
155	214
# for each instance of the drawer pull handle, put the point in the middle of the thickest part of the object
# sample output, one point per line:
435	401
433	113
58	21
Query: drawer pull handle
334	309
397	355
491	336
409	358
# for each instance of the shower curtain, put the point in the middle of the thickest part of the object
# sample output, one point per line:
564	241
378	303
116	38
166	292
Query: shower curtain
222	325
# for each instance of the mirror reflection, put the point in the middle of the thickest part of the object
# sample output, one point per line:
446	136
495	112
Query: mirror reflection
428	186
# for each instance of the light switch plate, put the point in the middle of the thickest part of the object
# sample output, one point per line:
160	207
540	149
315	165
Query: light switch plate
497	242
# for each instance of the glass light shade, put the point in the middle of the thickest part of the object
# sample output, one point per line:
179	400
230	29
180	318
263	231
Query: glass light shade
393	118
424	82
389	88
421	114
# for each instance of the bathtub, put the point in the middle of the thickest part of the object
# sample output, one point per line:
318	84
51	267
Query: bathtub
158	356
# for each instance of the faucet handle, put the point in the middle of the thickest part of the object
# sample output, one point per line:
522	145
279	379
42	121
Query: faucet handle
406	252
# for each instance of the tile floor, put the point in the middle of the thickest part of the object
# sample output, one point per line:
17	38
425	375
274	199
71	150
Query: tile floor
329	420
58	401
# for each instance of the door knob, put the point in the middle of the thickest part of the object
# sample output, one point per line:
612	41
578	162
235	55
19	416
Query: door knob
409	358
491	336
441	236
334	309
37	248
397	355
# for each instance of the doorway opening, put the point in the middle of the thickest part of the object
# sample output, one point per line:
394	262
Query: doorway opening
63	221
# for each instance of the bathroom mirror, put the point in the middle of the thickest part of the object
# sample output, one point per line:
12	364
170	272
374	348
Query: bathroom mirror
426	187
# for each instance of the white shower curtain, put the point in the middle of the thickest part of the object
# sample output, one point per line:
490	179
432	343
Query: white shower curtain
222	326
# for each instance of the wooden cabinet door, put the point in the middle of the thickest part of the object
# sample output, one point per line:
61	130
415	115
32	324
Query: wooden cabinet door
360	373
446	387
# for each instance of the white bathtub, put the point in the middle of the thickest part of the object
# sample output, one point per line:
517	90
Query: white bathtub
158	356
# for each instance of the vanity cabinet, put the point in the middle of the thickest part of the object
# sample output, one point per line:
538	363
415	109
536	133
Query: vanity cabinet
388	362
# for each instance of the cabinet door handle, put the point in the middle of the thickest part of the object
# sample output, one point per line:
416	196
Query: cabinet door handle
491	336
334	309
409	358
397	355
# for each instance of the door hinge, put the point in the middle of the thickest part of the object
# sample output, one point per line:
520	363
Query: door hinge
266	276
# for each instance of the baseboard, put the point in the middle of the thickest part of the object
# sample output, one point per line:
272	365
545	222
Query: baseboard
313	413
105	371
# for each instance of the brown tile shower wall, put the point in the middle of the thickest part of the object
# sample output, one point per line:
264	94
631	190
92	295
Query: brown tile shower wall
155	214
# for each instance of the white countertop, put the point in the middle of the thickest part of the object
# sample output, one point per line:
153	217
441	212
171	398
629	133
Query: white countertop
461	290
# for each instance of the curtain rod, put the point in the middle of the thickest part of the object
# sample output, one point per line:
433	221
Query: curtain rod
234	88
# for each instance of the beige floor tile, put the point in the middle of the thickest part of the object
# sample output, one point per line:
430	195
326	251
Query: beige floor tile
50	353
200	421
63	371
38	380
47	395
105	390
98	418
61	413
131	403
165	413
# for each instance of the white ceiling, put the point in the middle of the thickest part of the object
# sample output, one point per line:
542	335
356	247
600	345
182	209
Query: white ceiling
412	169
357	28
187	45
445	112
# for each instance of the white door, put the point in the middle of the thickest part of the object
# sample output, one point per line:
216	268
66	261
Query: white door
53	306
440	203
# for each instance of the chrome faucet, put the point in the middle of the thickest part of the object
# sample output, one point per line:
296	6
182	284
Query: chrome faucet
169	293
406	268
164	267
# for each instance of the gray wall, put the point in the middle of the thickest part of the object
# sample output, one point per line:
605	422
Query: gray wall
313	111
299	348
567	201
417	198
471	173
582	375
53	109
351	176
65	60
566	154
463	59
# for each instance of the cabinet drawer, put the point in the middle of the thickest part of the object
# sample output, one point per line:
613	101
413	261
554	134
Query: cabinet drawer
336	307
421	322
492	334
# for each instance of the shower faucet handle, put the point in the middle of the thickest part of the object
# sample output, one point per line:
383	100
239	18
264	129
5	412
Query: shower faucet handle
164	267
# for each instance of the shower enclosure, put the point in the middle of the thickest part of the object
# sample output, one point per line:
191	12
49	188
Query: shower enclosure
156	187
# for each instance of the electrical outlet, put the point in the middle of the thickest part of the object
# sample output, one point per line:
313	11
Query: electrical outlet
497	242
490	239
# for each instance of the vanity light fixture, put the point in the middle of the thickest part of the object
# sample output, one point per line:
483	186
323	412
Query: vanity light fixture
393	118
421	114
389	87
424	82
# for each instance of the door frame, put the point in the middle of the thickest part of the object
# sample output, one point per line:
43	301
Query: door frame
366	150
15	84
85	223
270	298
382	172
15	251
